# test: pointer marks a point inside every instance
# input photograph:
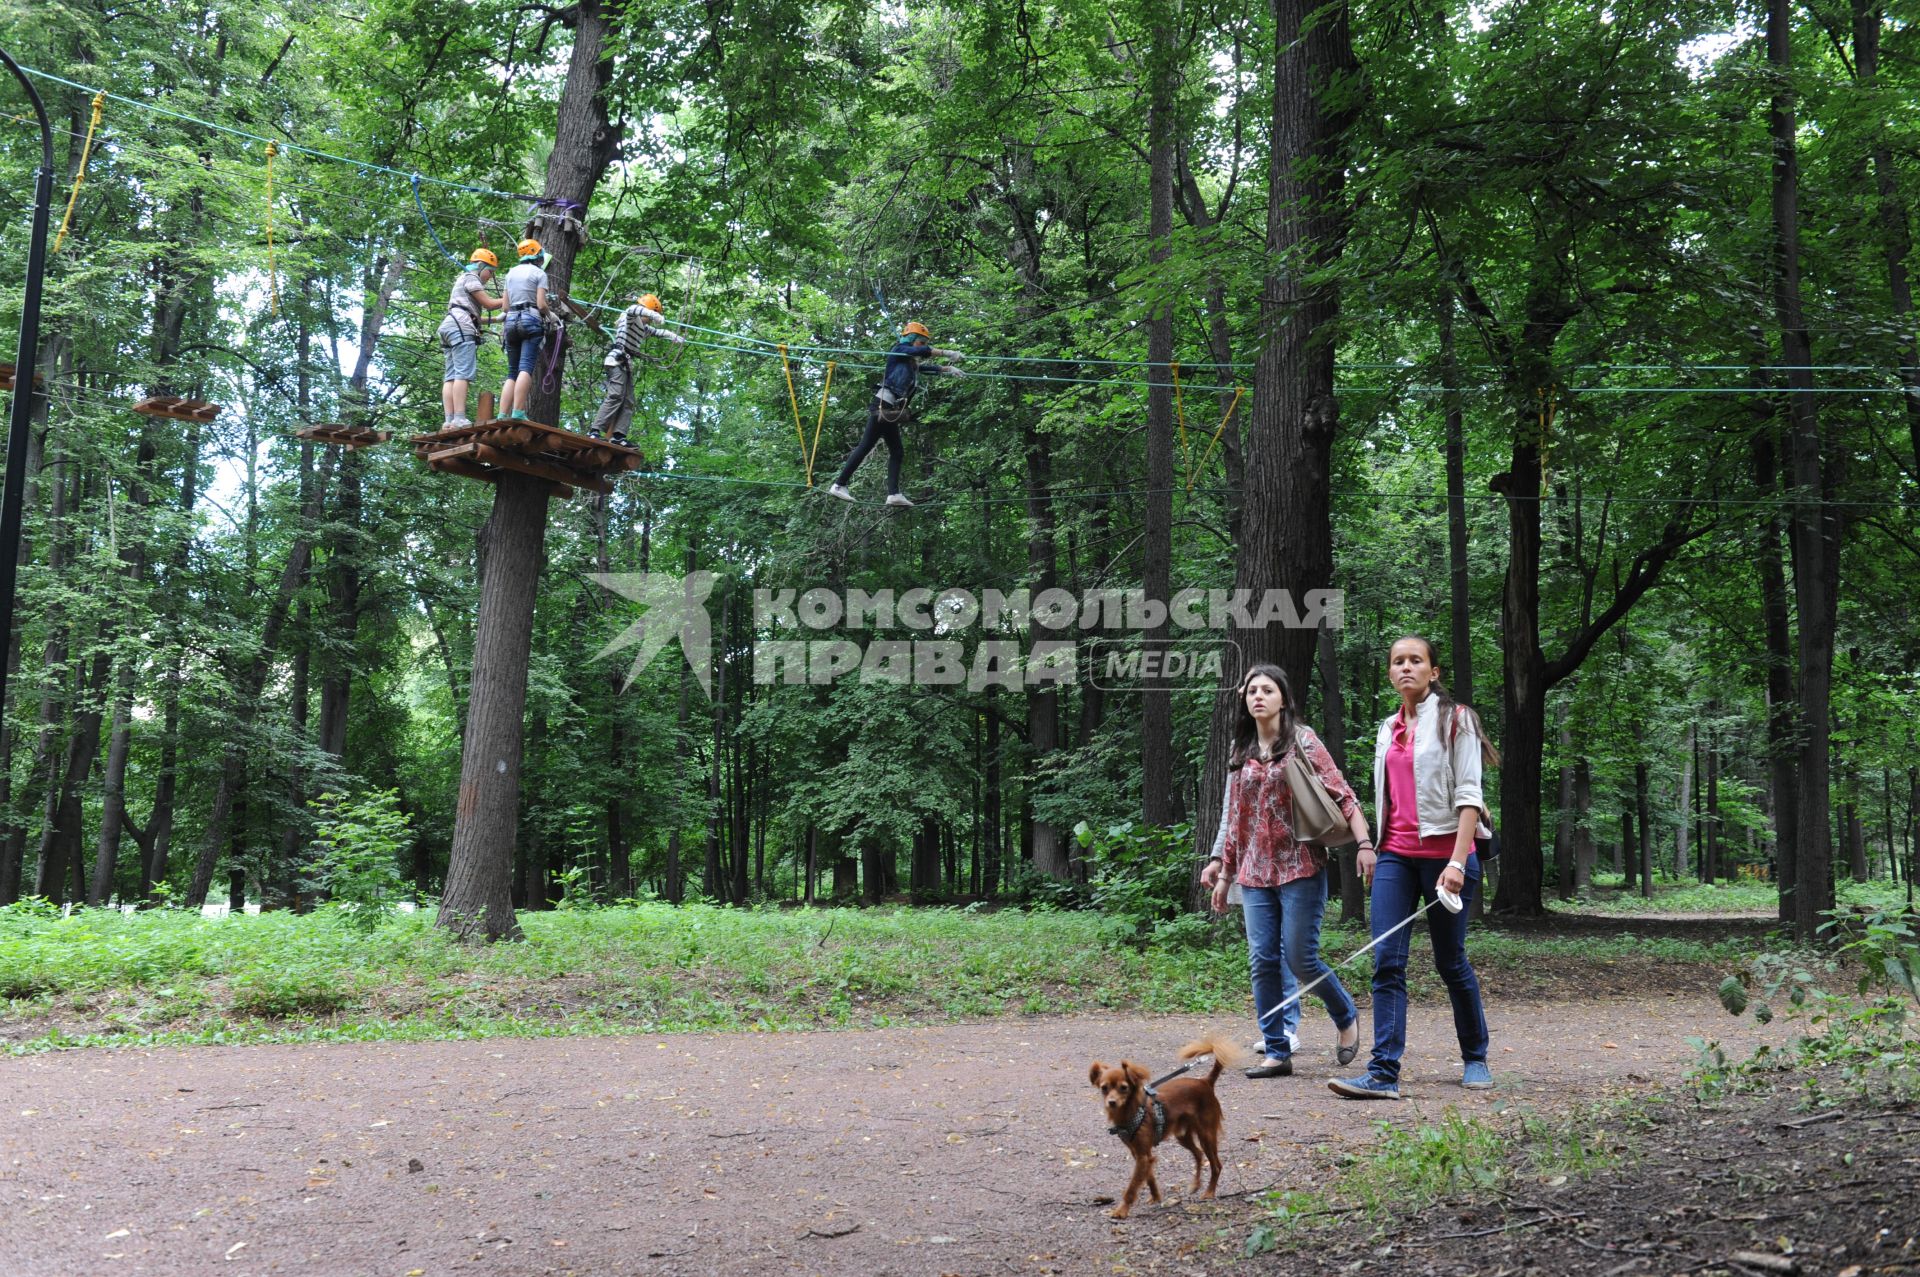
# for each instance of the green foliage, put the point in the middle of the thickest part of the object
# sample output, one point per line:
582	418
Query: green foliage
1407	1167
1852	1042
360	840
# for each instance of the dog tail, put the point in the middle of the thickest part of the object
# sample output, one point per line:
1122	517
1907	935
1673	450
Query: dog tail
1225	1051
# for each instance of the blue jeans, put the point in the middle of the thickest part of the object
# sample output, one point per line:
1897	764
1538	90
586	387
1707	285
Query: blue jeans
522	338
1283	954
1400	884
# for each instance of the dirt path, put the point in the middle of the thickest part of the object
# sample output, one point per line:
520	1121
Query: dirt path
967	1149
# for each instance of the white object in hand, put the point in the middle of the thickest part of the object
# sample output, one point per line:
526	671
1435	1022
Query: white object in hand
1453	903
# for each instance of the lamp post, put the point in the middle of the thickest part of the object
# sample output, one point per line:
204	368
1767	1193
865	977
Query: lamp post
13	490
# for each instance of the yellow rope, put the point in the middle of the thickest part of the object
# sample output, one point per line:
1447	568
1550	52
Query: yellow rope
1237	392
80	174
799	430
273	273
818	422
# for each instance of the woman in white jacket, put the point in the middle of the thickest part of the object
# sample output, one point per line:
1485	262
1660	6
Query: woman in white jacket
1429	807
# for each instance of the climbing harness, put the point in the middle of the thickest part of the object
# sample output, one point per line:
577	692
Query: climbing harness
807	454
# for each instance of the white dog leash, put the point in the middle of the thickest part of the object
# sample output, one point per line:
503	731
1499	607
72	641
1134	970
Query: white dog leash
1441	896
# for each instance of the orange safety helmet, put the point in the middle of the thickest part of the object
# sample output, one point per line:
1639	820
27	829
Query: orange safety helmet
529	248
915	328
652	303
485	257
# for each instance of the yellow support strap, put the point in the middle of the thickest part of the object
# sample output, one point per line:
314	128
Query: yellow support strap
273	271
799	430
1222	429
818	422
80	174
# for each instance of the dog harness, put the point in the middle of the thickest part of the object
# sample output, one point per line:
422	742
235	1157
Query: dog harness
1154	1103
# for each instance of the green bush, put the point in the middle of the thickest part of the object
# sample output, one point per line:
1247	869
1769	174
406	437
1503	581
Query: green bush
360	841
284	992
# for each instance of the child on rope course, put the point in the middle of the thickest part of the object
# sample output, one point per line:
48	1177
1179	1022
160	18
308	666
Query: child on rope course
889	406
526	330
460	333
636	323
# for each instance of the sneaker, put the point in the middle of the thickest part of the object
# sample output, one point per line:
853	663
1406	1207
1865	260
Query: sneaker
899	499
1476	1076
518	414
1364	1087
840	490
619	440
595	434
454	423
1272	1066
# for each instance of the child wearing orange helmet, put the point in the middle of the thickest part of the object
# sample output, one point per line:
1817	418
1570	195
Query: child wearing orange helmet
637	322
526	329
460	333
905	363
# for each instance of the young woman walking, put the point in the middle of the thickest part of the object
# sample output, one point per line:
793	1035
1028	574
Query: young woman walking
1283	882
1428	760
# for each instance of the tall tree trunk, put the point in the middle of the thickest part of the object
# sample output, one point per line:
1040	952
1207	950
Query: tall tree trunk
1156	709
478	903
1459	664
1896	238
1714	869
1584	850
1565	818
1295	415
1783	785
1816	524
1333	730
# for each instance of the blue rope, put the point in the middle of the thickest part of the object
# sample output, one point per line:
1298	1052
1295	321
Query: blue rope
451	255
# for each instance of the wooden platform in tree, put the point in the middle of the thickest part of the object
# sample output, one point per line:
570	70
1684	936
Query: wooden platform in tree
6	377
175	408
343	435
564	459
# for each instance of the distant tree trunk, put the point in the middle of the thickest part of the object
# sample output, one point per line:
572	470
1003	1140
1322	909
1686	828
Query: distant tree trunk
1156	709
1684	807
1856	845
1817	527
1565	819
1584	851
1714	870
1626	853
1333	730
1643	810
993	815
1783	783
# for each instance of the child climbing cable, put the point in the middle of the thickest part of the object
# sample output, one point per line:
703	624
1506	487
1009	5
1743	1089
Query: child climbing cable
889	406
460	333
526	330
636	323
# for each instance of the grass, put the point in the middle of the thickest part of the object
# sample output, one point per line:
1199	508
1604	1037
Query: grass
1745	896
1410	1167
101	977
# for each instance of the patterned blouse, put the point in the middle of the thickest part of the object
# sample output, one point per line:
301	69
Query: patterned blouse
1259	849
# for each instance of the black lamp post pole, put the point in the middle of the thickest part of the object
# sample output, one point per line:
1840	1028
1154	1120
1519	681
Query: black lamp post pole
26	359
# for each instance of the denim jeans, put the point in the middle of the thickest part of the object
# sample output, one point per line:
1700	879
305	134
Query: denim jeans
522	337
1400	884
1283	953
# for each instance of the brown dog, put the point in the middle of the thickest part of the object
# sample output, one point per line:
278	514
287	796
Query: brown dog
1186	1110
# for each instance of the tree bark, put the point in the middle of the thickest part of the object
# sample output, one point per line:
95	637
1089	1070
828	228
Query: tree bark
1459	665
1816	526
1683	828
478	903
1156	709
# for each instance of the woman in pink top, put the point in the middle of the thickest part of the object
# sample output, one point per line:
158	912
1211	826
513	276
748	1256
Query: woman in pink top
1283	882
1429	758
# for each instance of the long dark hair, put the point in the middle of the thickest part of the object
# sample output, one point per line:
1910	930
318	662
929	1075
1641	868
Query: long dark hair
1452	711
1246	733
